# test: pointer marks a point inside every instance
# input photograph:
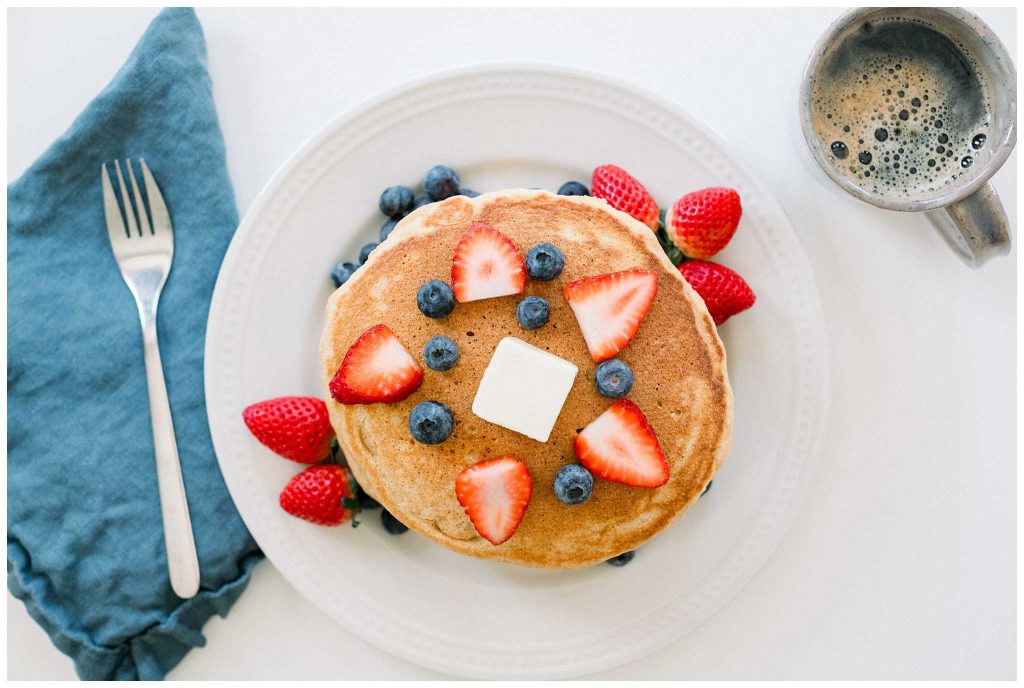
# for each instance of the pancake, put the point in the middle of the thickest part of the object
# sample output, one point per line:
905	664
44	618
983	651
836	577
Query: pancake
681	384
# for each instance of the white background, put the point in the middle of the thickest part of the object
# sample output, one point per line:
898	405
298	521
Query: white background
901	563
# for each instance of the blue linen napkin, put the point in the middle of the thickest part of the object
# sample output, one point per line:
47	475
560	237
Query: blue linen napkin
85	547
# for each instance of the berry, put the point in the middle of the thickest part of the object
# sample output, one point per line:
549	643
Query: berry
441	182
376	368
707	488
386	228
609	308
316	494
367	502
532	312
614	378
365	251
486	264
622	559
573	484
723	290
422	201
468	193
391	524
341	273
297	428
431	422
495	494
620	446
624	193
435	299
544	262
701	223
573	189
396	201
440	353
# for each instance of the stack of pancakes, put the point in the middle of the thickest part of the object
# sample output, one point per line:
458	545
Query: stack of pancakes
681	384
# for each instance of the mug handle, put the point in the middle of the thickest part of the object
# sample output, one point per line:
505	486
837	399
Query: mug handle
976	227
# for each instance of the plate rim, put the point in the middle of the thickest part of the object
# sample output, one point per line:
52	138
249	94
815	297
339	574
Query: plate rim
421	654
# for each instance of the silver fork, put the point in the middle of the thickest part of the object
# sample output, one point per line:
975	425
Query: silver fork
143	252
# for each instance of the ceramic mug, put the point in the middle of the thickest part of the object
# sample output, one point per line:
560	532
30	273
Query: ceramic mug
952	188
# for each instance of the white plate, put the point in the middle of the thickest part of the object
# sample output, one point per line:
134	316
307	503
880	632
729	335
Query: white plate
511	126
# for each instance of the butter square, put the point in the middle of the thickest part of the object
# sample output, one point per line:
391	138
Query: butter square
523	388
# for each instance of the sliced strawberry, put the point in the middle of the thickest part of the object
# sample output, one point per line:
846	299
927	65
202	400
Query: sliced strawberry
609	308
620	446
486	264
377	368
495	495
297	428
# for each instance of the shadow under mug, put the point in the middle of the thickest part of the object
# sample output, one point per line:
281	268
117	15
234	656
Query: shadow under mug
967	211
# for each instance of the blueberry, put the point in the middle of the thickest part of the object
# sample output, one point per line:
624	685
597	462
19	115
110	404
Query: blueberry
573	484
367	502
469	193
441	182
533	312
544	262
420	202
430	422
364	252
341	272
435	299
707	488
573	189
391	524
396	201
622	559
385	229
440	353
614	378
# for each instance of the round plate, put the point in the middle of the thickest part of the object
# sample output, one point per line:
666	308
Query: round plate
500	127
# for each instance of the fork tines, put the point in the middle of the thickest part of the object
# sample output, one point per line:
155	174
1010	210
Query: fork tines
134	214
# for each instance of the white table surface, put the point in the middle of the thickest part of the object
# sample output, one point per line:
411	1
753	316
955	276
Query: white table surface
901	563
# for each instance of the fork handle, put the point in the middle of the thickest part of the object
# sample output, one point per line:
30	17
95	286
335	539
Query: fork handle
182	561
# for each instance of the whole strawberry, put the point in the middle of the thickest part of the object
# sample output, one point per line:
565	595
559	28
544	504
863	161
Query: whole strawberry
316	495
297	428
701	223
723	290
623	192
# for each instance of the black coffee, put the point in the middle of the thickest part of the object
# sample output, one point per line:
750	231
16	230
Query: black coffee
900	107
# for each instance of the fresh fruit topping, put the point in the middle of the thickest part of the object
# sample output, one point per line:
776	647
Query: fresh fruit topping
468	193
365	251
573	189
544	262
486	264
297	428
723	290
622	559
495	494
388	227
707	488
422	201
702	223
441	353
441	182
431	422
377	368
391	524
532	312
367	502
316	495
620	446
609	308
341	273
573	484
396	201
614	378
623	192
435	299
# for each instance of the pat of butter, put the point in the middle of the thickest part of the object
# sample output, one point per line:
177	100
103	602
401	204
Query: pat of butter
524	388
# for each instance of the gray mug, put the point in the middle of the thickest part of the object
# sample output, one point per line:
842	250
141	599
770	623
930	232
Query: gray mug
966	210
